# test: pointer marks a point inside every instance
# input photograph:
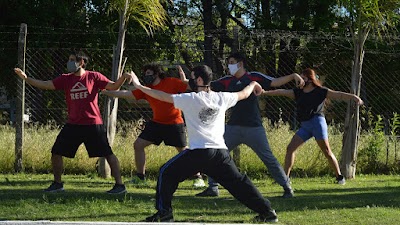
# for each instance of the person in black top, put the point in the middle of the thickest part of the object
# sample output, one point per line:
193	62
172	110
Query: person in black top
310	101
245	123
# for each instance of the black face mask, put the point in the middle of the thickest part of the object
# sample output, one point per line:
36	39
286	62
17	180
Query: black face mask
193	84
149	79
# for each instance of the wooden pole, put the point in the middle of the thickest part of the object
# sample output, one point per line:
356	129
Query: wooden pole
20	101
111	107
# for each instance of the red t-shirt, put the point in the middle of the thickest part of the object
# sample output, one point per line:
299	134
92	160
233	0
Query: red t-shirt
81	95
164	112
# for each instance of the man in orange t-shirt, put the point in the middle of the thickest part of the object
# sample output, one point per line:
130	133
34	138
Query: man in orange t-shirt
167	124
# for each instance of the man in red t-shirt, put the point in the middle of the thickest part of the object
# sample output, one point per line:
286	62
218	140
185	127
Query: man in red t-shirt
167	124
84	124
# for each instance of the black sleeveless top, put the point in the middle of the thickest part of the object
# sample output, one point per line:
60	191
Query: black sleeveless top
311	103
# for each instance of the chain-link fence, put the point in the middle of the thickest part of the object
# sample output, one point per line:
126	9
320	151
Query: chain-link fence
274	53
380	89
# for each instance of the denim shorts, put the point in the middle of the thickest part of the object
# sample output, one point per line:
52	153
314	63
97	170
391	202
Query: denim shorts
315	127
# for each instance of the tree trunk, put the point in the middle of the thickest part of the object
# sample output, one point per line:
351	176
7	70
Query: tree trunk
352	122
208	38
111	107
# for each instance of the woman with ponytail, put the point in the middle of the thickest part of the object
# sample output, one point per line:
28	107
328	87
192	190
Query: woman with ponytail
310	101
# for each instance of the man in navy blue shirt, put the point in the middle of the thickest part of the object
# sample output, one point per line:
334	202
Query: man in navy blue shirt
245	123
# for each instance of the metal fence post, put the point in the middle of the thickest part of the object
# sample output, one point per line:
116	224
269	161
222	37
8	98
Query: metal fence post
20	101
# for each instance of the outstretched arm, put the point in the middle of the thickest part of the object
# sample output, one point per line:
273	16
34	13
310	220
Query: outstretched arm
280	92
338	95
47	85
117	84
160	95
253	87
286	79
182	74
119	94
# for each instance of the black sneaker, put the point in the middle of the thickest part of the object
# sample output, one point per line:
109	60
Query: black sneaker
161	216
288	193
117	189
209	192
341	180
55	187
267	217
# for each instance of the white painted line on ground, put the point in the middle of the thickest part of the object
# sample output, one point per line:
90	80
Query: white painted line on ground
48	222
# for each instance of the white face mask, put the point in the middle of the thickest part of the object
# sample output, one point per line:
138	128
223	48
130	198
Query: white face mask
233	68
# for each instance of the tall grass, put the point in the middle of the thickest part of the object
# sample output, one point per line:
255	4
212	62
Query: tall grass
310	161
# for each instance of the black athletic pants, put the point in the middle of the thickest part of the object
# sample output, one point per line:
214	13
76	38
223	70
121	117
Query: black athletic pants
216	163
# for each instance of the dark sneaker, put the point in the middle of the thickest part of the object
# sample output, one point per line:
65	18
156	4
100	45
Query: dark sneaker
209	192
138	181
288	193
267	217
340	180
117	189
161	217
55	187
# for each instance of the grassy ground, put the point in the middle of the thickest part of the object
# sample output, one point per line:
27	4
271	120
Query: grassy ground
365	200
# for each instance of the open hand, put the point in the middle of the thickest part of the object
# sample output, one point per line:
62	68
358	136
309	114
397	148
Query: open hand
20	73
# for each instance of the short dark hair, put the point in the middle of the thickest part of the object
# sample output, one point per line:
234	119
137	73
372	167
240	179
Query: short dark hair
239	56
81	55
204	72
156	68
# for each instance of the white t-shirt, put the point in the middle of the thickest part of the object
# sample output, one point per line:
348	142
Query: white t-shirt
205	116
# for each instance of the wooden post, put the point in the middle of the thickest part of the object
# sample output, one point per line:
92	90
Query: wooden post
235	48
111	106
20	101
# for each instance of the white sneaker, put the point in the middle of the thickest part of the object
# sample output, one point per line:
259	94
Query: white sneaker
198	183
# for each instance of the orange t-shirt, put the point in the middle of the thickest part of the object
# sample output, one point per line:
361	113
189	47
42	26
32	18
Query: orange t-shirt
164	112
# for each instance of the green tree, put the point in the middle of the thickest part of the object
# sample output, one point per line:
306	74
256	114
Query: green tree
362	17
151	15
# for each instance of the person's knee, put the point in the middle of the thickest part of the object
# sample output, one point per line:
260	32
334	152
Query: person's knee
138	146
111	159
290	149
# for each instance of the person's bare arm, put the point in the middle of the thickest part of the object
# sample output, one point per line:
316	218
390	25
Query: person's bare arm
47	85
253	87
276	82
117	84
182	75
338	95
119	94
160	95
280	92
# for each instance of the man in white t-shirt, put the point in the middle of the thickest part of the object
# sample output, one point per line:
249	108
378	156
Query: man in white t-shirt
204	112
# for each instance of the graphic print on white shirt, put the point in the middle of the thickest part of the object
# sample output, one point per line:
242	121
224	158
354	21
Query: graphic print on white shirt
208	115
79	91
205	116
